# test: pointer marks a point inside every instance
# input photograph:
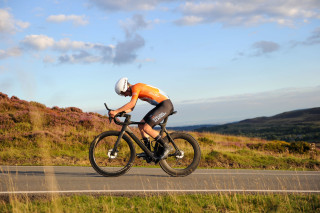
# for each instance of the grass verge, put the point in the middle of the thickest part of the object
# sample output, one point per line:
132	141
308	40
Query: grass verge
168	203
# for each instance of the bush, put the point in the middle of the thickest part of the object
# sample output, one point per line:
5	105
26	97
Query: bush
299	147
21	116
73	109
206	140
23	127
275	146
38	105
6	123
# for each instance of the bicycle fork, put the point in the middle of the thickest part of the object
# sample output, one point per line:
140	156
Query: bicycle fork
114	150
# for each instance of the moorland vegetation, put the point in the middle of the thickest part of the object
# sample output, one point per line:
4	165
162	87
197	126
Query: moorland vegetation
33	134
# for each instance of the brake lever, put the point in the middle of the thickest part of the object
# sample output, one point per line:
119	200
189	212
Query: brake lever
110	118
121	113
107	107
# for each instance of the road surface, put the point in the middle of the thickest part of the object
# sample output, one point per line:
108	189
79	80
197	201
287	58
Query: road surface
84	180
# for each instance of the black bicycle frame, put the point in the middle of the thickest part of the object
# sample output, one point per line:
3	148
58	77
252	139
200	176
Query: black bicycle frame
125	129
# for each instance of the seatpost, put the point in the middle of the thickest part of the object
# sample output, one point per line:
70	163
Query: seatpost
163	125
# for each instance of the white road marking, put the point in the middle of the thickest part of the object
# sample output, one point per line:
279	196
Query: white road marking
294	174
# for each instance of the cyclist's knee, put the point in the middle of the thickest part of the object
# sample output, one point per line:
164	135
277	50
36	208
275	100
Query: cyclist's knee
146	127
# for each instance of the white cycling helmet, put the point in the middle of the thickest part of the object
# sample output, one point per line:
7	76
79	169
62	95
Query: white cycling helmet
121	85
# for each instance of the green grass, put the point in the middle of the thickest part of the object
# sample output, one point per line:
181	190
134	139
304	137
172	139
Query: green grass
218	151
168	203
251	159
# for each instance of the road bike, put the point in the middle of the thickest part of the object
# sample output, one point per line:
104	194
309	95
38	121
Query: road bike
112	153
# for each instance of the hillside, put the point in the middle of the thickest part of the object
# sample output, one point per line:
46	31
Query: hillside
33	134
19	115
29	129
298	125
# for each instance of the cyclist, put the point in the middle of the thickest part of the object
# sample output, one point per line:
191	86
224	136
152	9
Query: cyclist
163	108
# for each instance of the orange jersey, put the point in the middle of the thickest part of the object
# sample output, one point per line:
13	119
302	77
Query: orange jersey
148	93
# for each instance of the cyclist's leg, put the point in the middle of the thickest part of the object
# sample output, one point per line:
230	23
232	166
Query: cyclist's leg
144	128
147	131
154	117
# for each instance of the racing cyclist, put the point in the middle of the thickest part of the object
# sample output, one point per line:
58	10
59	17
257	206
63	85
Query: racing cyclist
163	108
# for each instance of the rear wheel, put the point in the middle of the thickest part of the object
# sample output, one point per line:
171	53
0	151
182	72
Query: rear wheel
106	163
183	160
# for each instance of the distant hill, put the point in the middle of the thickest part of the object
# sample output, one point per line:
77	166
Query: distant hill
297	125
187	128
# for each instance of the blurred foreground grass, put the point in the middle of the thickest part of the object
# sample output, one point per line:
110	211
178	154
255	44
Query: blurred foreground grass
168	203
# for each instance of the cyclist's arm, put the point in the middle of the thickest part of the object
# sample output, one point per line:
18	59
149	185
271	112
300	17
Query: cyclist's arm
127	107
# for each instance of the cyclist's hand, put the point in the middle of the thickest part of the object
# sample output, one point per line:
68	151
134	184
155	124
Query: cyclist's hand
112	114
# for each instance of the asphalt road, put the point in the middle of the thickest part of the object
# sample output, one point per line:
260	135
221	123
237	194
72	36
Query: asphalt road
76	180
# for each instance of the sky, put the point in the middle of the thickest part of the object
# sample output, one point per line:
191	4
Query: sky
218	61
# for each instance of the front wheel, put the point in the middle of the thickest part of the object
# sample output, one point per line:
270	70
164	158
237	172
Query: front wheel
185	157
104	161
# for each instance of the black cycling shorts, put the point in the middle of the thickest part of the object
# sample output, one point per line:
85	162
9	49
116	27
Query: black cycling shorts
160	112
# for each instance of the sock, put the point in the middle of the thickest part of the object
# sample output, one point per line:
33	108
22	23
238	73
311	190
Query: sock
147	142
145	139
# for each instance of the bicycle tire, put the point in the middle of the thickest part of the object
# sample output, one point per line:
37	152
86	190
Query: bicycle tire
188	161
102	160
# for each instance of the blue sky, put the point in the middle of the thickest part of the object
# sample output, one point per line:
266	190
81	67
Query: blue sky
219	61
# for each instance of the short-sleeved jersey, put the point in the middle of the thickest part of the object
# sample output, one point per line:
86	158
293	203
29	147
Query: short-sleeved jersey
148	93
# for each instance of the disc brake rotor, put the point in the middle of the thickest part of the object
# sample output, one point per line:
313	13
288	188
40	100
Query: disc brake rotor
180	155
112	156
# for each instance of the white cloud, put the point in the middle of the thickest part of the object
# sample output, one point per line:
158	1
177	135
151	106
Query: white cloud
66	44
72	52
81	52
132	25
189	20
75	19
8	25
11	52
259	48
125	52
313	39
80	57
49	59
127	5
248	12
121	53
265	47
38	42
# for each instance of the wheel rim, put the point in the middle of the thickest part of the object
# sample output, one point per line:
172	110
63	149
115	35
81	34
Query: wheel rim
182	158
108	162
